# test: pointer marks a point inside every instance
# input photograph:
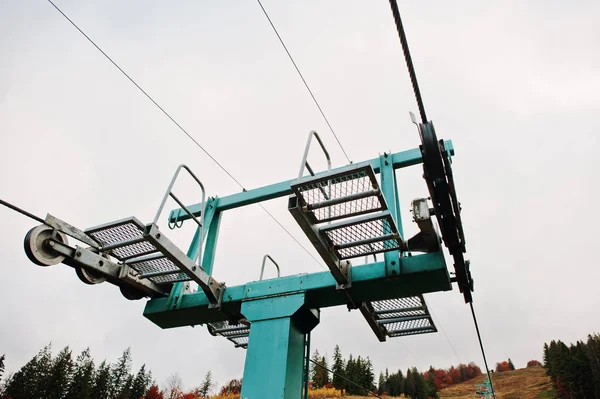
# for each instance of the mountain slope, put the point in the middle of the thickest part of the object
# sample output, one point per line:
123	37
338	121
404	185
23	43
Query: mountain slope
528	383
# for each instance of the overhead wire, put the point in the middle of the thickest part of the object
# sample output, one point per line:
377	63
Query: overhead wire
304	80
22	211
419	98
408	59
487	369
345	379
178	126
437	320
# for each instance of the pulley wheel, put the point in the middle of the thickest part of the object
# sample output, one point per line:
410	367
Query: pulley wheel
131	294
37	249
88	276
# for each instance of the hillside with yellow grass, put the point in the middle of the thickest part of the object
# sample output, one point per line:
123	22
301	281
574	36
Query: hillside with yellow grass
528	383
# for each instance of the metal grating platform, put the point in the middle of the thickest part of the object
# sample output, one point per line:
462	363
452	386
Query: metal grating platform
236	333
364	235
125	235
158	268
351	192
403	316
124	239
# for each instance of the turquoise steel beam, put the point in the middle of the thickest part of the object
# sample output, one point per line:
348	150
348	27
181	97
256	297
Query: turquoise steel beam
275	358
389	191
399	160
176	293
420	274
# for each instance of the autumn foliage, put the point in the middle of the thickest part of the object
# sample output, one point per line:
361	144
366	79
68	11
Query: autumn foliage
446	377
533	363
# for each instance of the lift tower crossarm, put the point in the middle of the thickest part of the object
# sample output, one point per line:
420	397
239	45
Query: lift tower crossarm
420	274
399	160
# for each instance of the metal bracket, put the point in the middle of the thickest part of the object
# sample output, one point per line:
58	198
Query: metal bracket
69	230
115	273
427	239
209	285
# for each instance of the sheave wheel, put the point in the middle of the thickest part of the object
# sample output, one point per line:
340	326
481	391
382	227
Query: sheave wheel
38	251
88	276
131	294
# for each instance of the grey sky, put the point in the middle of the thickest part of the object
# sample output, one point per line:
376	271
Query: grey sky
514	84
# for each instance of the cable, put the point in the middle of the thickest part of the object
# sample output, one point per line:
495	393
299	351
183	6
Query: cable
482	350
344	378
304	81
22	211
408	58
444	332
290	234
146	94
176	123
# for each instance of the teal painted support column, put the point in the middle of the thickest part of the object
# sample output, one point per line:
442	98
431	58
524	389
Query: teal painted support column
210	248
389	190
176	294
306	365
275	357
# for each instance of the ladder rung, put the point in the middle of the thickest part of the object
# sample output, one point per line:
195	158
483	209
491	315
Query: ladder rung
401	319
341	200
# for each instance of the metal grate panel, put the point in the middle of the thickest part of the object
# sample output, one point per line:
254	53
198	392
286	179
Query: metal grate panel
158	264
120	232
364	236
236	333
356	190
413	327
403	316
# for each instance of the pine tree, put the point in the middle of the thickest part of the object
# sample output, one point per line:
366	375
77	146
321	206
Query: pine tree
2	365
30	381
83	378
338	369
141	383
60	375
120	375
206	385
325	373
511	366
381	385
102	382
317	372
369	375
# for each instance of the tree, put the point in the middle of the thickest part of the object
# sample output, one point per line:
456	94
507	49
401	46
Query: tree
533	363
206	385
102	383
338	369
154	393
174	387
2	365
83	378
319	376
511	366
232	387
30	381
120	375
141	383
502	366
60	375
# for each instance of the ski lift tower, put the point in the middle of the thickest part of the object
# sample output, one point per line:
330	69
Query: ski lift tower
347	212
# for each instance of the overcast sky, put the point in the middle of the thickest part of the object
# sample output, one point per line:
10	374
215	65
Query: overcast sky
514	85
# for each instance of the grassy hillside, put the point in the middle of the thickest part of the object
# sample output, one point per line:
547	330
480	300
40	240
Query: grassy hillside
528	383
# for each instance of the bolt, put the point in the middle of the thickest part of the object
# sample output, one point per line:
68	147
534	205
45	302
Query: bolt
194	268
157	235
77	253
101	263
51	243
386	162
394	272
393	262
